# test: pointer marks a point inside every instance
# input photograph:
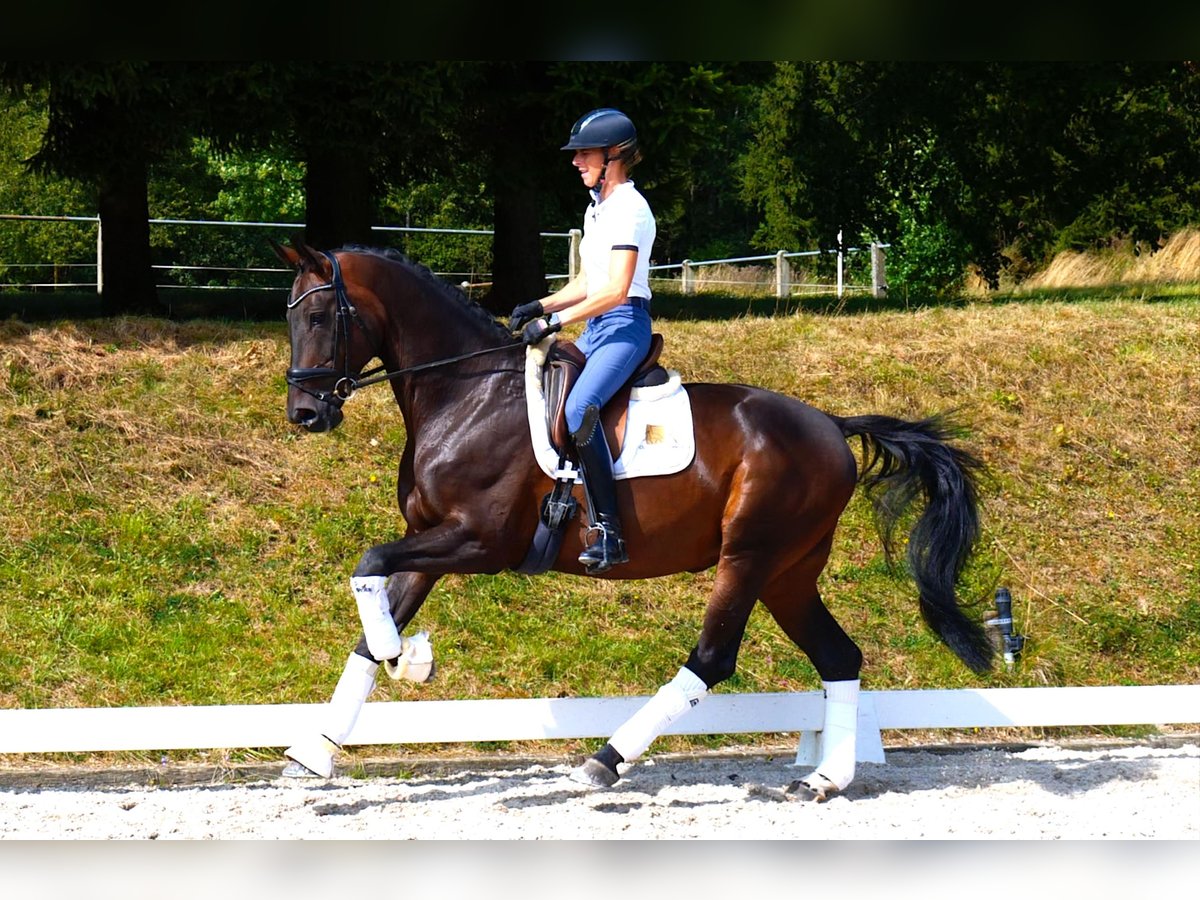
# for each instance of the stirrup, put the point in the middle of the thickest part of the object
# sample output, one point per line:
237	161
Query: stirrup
601	555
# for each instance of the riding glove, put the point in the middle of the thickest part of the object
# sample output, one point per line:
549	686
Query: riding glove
539	329
525	313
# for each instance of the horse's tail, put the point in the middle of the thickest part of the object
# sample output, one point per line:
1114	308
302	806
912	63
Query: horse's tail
901	460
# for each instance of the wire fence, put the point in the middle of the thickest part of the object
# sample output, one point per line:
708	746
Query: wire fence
205	254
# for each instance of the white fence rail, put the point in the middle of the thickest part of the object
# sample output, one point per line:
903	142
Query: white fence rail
97	266
455	721
689	270
784	282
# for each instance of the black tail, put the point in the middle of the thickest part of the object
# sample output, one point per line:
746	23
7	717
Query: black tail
901	460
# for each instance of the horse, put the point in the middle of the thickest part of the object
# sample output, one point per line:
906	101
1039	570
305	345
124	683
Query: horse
760	501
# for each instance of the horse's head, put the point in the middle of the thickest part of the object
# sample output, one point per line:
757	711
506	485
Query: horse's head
331	340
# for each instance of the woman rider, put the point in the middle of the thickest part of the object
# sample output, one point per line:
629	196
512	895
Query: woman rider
612	294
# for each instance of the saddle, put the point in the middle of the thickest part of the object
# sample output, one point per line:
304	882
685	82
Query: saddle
564	364
549	378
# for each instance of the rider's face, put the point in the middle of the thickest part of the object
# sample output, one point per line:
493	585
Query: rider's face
589	163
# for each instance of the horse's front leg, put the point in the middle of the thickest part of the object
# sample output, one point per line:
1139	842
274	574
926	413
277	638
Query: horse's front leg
313	755
449	547
419	559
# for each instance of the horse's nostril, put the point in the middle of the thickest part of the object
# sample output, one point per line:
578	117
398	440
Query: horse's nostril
315	419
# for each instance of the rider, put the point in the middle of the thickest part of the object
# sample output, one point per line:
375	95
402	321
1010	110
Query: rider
612	293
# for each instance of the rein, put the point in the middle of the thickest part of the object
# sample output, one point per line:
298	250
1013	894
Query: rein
347	384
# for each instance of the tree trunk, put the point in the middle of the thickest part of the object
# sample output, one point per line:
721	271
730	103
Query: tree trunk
518	275
339	197
127	279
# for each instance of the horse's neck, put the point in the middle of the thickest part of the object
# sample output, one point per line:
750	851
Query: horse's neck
425	325
465	404
429	328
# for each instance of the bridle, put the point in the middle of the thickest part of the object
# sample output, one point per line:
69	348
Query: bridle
346	312
347	382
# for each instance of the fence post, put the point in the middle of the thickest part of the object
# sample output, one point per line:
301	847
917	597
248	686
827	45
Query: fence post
840	264
99	256
573	261
687	278
783	275
878	274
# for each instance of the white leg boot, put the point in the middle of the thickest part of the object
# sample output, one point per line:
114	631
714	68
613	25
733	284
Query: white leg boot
835	771
375	613
631	740
313	757
415	661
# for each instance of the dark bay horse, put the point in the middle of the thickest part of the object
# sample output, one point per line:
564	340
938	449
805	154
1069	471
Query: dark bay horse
760	500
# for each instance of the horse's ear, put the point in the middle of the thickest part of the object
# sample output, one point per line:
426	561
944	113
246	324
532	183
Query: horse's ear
299	255
287	254
310	257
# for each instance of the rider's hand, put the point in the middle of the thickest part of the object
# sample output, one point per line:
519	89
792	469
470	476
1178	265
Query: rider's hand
525	313
539	329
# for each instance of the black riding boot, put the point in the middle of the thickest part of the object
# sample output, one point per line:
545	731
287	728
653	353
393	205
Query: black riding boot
595	461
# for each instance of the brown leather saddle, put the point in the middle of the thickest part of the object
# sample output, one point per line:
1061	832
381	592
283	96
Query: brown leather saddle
564	364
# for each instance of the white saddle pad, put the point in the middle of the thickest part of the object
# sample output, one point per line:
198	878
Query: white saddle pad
659	438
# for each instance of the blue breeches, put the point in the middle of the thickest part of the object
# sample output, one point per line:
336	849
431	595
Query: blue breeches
614	343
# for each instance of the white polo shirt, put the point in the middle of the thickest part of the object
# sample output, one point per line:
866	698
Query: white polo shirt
623	221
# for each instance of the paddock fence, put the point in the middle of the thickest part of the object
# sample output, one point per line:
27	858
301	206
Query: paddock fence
839	271
78	272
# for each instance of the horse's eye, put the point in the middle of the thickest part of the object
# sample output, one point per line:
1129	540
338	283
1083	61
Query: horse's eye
316	319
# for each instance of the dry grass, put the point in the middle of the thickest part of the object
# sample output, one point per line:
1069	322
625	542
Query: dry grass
1176	262
139	446
1087	415
159	505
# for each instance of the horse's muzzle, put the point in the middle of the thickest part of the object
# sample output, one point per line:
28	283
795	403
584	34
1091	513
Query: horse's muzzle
313	415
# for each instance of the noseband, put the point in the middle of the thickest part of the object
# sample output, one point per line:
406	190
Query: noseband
347	383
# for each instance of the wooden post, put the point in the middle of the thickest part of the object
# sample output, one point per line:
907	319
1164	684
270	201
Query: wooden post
878	274
840	265
99	256
574	264
783	275
687	278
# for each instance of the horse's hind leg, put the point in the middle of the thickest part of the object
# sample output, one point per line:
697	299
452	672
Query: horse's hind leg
313	755
713	659
795	603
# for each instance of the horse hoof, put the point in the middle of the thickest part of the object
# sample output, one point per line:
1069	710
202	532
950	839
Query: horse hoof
816	788
298	770
594	774
311	758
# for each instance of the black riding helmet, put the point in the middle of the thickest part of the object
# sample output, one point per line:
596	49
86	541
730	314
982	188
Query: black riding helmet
603	127
606	127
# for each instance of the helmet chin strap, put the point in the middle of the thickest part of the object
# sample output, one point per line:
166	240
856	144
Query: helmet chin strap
603	170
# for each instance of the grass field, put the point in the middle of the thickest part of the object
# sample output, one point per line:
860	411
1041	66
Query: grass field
168	538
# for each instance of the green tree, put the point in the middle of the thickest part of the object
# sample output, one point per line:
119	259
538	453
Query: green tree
520	115
110	124
351	126
107	123
974	161
22	123
808	169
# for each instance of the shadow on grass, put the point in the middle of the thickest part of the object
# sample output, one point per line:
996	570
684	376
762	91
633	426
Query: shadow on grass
181	305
